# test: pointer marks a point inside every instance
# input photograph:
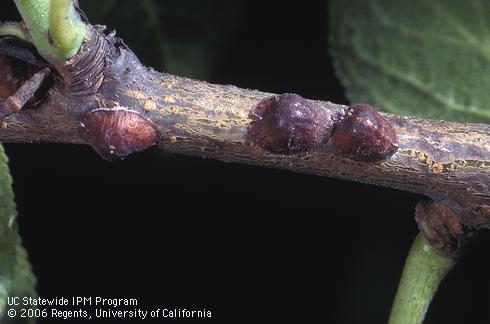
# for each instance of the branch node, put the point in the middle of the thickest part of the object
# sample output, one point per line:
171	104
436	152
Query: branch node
442	227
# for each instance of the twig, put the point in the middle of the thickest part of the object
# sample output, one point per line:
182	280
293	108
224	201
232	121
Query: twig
449	162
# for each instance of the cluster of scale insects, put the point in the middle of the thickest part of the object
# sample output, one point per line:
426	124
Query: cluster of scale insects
289	124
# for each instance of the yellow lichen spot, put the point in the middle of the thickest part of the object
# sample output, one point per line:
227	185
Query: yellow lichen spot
219	124
174	110
173	139
437	167
463	163
169	99
241	114
137	95
413	153
149	105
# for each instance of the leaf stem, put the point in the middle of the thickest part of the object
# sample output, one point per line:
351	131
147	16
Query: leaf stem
66	27
13	29
55	27
424	270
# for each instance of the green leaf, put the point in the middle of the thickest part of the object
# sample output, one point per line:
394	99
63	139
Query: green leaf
428	58
16	277
8	232
23	284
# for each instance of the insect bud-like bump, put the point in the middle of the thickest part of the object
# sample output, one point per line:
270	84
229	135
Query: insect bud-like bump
117	133
364	135
289	124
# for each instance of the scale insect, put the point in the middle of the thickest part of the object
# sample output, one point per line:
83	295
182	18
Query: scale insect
290	125
364	135
117	133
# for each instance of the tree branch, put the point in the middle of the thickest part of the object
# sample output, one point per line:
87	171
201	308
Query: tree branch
89	88
449	162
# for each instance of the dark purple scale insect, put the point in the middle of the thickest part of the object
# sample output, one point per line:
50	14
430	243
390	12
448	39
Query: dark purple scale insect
289	124
364	135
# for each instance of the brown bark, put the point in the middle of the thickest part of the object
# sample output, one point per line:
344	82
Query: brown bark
449	162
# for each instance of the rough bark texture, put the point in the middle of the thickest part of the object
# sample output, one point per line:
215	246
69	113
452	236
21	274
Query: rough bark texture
448	162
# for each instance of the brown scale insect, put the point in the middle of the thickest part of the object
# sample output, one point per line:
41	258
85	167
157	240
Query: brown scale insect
289	124
364	135
117	133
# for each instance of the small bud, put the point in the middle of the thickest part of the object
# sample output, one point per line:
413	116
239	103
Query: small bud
442	227
364	135
117	133
289	124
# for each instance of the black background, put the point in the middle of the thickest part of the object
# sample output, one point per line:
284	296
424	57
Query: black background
253	245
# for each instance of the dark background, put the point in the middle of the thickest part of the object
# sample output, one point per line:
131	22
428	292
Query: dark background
253	245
